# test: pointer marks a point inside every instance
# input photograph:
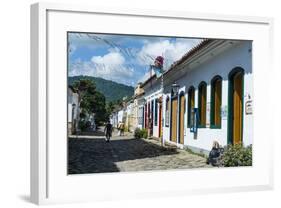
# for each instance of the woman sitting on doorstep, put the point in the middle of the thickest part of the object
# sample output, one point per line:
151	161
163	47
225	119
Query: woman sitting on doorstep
215	155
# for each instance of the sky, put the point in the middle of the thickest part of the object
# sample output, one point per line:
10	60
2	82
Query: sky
123	59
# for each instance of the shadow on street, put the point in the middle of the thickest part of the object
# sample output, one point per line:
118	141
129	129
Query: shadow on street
94	155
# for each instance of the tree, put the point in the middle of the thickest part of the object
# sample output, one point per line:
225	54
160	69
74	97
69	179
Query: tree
109	107
91	100
99	107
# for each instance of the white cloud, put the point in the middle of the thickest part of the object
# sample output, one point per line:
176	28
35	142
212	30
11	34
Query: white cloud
125	65
170	50
146	76
111	66
110	59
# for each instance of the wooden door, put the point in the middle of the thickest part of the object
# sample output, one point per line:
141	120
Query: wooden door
237	108
182	110
160	120
217	99
174	120
191	104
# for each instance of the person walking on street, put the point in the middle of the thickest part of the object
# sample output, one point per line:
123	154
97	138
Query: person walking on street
108	131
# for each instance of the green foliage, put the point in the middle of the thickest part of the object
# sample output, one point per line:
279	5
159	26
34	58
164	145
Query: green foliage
109	108
113	91
91	100
237	155
82	125
137	133
126	129
117	102
100	110
140	133
144	133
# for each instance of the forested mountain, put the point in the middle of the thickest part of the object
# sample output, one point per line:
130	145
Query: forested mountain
112	90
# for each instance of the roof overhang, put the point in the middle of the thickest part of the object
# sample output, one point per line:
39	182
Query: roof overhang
213	49
201	53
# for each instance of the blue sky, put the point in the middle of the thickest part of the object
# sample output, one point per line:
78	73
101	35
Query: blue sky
122	58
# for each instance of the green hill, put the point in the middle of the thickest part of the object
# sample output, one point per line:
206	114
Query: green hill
111	90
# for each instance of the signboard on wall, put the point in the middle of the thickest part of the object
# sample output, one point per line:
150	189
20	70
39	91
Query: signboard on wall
249	107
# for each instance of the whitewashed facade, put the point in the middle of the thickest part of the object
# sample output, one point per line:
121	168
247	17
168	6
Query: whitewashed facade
226	62
73	110
152	102
129	116
138	108
121	115
114	119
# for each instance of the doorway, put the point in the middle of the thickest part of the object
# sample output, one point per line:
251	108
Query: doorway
181	119
235	106
174	120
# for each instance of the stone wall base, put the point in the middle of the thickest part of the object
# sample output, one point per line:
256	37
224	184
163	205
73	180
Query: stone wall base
197	150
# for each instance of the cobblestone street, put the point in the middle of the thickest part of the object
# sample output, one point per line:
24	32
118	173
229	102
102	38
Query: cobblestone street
91	154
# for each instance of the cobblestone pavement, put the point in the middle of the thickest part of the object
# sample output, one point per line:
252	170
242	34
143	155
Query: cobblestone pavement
91	154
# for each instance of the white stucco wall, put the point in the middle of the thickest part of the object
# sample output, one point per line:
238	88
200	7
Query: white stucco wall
166	129
120	115
73	98
114	119
236	56
69	111
140	114
152	94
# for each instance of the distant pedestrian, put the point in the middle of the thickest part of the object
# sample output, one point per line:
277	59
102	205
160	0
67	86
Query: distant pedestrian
108	131
122	129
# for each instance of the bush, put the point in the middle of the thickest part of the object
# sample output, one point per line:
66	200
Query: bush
140	133
82	125
137	133
144	133
126	129
237	155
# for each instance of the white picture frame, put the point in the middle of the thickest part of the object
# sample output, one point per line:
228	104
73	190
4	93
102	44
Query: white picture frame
49	181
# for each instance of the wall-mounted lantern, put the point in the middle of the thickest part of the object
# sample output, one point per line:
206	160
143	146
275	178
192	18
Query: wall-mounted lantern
175	89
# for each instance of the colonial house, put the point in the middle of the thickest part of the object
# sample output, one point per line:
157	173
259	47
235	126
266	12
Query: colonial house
118	115
128	117
131	112
121	113
153	107
138	107
207	97
73	110
114	118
